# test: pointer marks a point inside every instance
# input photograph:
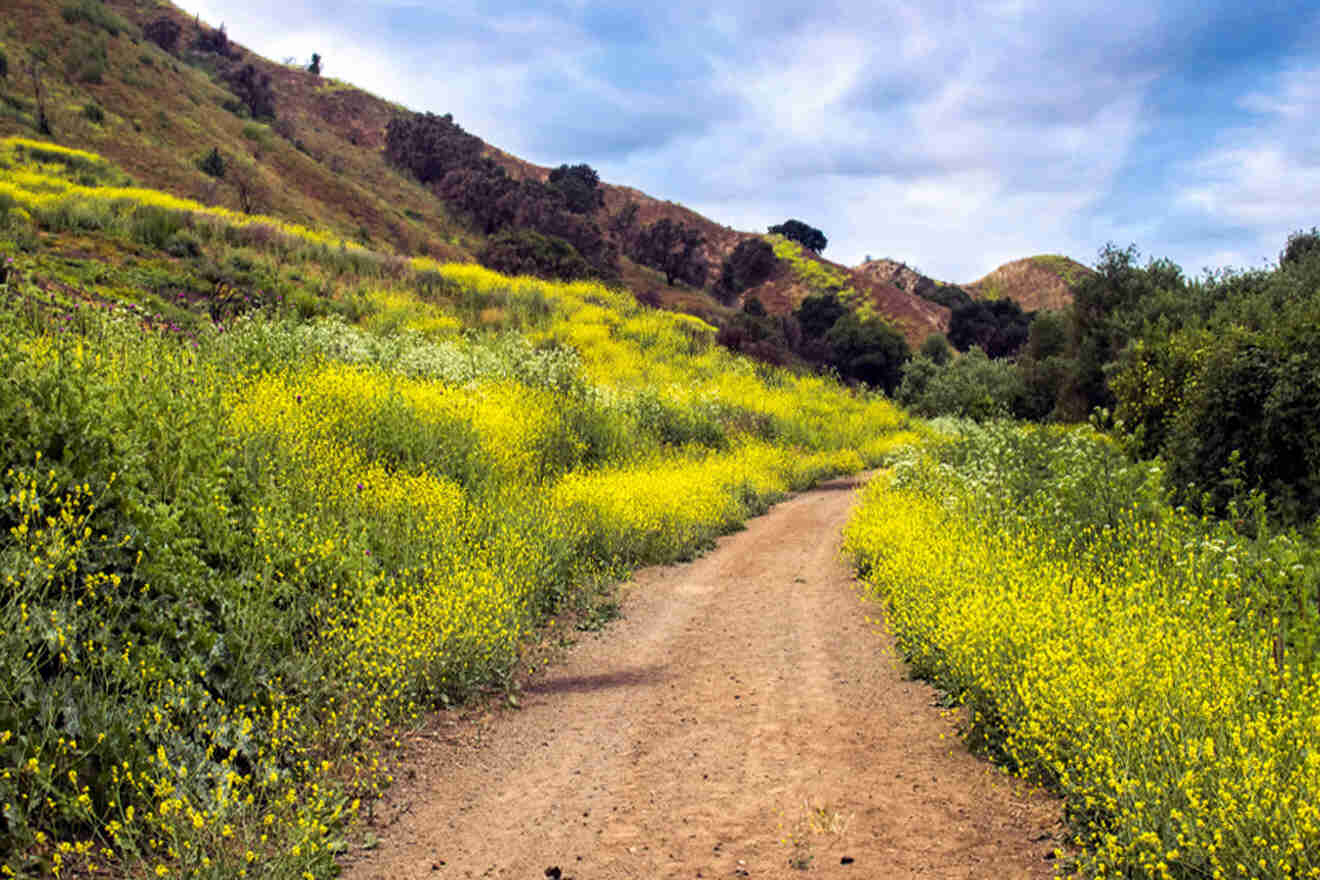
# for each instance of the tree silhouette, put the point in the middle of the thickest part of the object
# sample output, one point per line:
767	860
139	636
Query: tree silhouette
673	248
809	237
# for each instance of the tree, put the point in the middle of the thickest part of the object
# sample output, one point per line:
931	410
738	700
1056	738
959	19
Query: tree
216	41
524	252
673	248
869	350
809	237
254	90
212	164
1301	247
937	348
580	187
4	65
36	67
818	313
253	194
430	146
165	33
623	225
750	264
315	67
999	327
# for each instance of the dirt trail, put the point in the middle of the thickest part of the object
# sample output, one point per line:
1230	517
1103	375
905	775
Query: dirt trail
743	719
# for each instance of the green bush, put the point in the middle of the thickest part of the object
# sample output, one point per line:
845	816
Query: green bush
212	164
95	13
524	252
972	387
94	113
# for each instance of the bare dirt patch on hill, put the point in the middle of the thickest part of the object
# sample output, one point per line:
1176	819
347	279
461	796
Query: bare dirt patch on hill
745	718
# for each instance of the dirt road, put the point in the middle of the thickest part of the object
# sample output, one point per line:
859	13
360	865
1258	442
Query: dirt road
743	719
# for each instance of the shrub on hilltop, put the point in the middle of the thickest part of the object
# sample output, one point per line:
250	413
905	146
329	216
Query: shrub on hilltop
809	237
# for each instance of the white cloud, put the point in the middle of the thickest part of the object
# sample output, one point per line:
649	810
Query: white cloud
1264	174
953	135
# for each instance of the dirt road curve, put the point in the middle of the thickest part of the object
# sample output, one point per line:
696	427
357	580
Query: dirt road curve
743	719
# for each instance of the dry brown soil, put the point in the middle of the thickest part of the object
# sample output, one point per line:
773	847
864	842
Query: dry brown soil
744	718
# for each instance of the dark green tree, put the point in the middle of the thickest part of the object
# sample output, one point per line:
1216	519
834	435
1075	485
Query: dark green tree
809	237
524	252
868	350
212	164
254	89
817	314
1302	246
752	262
580	187
431	146
998	327
314	68
936	347
164	32
674	249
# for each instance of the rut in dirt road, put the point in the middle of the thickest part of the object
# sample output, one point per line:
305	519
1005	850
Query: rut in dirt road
743	719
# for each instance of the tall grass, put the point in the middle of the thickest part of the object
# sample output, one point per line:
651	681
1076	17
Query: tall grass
236	562
1159	670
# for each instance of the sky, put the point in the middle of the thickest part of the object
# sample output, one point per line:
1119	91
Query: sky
953	136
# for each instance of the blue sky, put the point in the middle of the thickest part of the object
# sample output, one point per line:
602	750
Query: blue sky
954	136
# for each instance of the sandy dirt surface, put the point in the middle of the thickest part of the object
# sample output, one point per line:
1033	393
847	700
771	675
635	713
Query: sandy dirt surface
745	718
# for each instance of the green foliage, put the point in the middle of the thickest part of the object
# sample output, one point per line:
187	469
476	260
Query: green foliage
868	350
93	113
972	386
438	151
951	296
815	274
525	252
314	66
751	263
998	327
1040	578
254	89
429	146
818	313
1302	246
4	64
212	164
580	187
165	33
673	248
87	61
936	347
95	13
809	237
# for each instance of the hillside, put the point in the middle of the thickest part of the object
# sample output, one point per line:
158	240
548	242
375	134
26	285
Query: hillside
155	90
1046	281
803	273
270	495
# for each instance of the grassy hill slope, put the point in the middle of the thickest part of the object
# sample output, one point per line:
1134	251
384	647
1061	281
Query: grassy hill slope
268	495
1046	281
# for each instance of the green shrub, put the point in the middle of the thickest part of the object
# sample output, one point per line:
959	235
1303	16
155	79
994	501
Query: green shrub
212	164
524	252
94	113
96	14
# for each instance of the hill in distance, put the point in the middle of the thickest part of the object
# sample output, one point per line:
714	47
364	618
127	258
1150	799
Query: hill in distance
1045	281
156	91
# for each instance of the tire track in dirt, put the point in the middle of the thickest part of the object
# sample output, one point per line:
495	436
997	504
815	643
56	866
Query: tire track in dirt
743	719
